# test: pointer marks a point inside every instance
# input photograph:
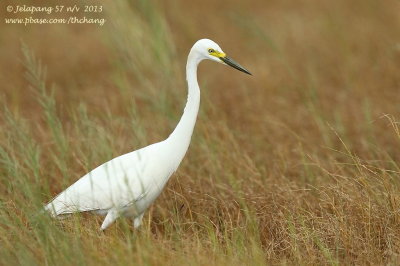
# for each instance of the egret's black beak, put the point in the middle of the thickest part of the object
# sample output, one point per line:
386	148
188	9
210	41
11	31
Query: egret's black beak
232	63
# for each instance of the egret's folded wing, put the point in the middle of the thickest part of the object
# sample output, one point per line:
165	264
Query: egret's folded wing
115	183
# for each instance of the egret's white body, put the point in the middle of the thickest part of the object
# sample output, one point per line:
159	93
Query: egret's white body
128	185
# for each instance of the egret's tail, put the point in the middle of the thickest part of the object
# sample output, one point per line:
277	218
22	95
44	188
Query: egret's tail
51	208
57	207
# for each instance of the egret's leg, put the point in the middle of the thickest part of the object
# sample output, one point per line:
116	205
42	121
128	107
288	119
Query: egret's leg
137	221
112	215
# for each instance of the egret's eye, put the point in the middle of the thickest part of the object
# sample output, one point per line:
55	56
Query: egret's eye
211	51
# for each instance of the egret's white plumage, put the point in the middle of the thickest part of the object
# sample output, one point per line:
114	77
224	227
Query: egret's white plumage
128	184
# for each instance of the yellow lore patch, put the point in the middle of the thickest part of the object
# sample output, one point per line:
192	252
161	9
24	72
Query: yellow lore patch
216	53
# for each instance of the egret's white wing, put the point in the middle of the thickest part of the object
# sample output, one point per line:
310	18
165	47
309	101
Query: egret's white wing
114	184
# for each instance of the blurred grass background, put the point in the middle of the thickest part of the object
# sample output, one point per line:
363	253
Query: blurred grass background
298	164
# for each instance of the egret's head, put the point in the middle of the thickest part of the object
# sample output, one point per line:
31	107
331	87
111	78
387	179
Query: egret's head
210	50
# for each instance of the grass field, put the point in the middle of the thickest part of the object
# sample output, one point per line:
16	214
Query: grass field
298	164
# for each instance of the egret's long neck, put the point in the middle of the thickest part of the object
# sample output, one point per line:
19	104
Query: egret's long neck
182	134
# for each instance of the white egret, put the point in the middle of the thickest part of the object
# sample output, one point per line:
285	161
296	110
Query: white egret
128	185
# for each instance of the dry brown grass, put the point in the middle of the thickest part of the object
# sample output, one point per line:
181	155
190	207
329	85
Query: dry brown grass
295	165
